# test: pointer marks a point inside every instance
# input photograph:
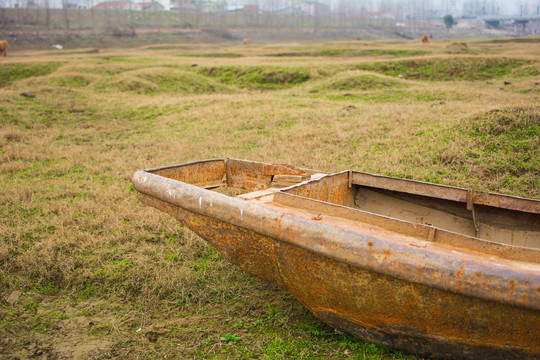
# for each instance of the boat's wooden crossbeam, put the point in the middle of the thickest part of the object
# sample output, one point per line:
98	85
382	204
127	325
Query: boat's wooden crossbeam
287	180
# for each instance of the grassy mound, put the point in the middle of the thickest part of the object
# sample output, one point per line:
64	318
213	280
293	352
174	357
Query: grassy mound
75	52
213	55
392	95
531	70
448	68
356	80
124	59
71	79
13	72
520	40
502	143
258	77
153	81
458	48
334	52
167	47
497	151
106	69
396	53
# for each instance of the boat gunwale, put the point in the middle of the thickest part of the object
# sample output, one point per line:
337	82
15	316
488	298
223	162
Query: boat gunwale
447	192
455	271
519	253
166	167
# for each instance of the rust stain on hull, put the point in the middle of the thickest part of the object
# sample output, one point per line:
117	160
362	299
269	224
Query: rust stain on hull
440	294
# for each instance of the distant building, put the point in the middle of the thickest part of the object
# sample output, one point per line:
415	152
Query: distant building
290	10
188	5
117	5
78	4
251	9
313	8
152	6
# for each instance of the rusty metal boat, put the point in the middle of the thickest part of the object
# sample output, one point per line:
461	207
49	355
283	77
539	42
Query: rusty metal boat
432	270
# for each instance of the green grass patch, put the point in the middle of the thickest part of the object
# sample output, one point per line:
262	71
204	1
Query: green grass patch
213	55
159	80
531	70
13	72
459	48
403	96
126	59
70	80
105	68
493	151
167	47
74	52
519	40
396	53
258	77
448	68
507	146
30	113
355	80
333	52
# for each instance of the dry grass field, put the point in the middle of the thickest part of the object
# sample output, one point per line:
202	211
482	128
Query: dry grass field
87	272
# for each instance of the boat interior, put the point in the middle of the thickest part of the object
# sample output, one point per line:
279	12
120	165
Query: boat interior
461	217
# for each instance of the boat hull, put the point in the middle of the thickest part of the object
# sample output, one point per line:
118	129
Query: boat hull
411	286
382	309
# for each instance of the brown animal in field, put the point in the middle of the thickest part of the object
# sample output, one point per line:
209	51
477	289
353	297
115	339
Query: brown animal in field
246	42
425	39
3	47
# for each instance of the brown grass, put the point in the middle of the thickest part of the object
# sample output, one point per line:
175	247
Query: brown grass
93	265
